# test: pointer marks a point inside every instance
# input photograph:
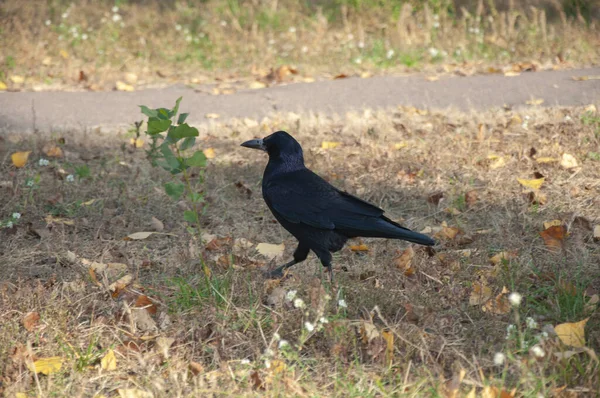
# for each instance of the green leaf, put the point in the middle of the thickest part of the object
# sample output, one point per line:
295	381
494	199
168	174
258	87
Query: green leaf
187	143
171	159
163	113
198	159
157	126
176	109
191	216
196	197
183	131
174	189
149	112
182	117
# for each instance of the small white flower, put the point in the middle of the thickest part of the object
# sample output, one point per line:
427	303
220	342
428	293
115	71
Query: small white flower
292	29
267	363
75	35
271	42
358	61
16	216
342	303
116	18
538	351
178	27
568	118
115	9
299	303
269	352
29	183
436	24
304	49
291	295
434	52
544	334
9	224
48	22
283	343
188	38
70	178
65	15
361	44
84	36
510	329
531	323
43	162
245	361
499	358
323	320
515	299
350	36
309	326
223	23
389	54
276	336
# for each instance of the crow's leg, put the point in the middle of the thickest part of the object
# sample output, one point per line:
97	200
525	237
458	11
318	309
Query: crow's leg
325	258
300	255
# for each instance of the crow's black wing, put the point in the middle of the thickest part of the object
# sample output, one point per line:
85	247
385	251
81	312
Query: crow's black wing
304	197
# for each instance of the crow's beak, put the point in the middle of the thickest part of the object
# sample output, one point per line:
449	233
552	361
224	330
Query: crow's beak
255	144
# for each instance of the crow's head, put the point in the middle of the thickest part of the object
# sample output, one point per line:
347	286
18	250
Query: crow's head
278	144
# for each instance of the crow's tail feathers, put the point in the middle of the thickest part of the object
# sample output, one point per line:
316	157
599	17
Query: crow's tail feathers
397	231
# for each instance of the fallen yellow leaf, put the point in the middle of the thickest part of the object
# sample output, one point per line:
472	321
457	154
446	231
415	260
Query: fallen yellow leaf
3	86
568	161
499	257
109	361
400	145
499	305
50	219
532	184
64	54
329	144
46	365
16	79
480	294
572	334
535	101
270	250
212	116
546	160
136	142
548	224
389	346
133	393
359	248
256	85
19	159
122	86
209	153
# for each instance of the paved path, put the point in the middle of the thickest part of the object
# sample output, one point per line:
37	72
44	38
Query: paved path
59	111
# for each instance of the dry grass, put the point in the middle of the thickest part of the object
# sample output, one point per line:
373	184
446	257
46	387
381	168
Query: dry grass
230	334
88	46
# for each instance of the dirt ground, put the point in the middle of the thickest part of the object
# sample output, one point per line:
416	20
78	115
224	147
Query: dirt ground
398	322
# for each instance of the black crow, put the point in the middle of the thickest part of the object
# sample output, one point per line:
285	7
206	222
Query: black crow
319	215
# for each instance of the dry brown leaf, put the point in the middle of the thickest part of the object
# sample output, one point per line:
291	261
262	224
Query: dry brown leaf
596	233
511	74
498	258
217	244
452	387
448	233
435	198
157	224
270	250
144	301
19	159
50	219
46	365
480	294
254	85
340	76
572	333
554	237
388	336
31	320
534	184
52	150
117	287
162	346
138	236
368	331
471	197
403	262
109	361
552	223
498	305
196	368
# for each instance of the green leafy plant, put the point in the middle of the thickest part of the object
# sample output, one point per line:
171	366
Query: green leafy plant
171	139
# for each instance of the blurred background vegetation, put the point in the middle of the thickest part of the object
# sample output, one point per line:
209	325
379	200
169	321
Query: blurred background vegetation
93	44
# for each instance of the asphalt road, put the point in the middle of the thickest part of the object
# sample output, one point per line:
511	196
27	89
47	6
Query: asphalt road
22	112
